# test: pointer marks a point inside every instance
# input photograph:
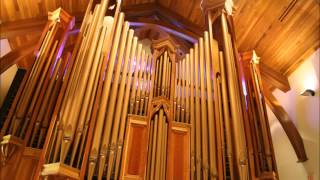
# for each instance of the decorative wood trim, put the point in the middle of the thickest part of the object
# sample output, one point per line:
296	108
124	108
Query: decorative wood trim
178	168
258	135
60	170
163	43
274	78
130	151
171	29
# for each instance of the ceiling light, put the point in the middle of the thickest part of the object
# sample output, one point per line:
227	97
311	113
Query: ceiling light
308	92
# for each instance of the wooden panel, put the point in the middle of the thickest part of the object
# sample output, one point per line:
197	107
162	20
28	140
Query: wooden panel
179	152
135	148
24	170
28	164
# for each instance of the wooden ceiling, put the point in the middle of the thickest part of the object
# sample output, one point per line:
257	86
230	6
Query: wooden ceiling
283	32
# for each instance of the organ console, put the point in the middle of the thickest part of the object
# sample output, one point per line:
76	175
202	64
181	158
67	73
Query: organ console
115	108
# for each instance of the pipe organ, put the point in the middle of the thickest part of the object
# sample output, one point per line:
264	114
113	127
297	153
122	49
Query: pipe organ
110	108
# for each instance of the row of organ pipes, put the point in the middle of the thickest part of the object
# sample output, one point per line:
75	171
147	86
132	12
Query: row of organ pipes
80	107
162	76
157	154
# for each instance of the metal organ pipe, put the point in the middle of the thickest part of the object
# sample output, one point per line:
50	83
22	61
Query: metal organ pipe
88	109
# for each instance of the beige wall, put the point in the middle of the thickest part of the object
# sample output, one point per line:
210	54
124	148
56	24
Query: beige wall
304	112
6	77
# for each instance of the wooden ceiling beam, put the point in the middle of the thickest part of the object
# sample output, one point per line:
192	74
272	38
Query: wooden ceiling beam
274	78
169	18
20	27
18	54
179	20
169	28
139	10
287	125
28	26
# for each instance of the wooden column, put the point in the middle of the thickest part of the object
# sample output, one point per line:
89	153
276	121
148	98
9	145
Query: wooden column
40	86
258	133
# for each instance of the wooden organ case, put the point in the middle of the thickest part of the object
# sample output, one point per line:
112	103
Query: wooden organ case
109	108
158	138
